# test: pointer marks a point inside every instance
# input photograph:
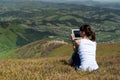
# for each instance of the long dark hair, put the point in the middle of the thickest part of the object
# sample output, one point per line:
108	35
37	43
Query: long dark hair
89	33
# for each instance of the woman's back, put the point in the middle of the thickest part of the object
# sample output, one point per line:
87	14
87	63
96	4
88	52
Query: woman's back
87	53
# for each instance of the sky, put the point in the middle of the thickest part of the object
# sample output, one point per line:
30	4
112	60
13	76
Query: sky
97	0
89	0
108	0
72	0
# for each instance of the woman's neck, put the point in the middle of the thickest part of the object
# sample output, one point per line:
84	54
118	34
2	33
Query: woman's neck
85	37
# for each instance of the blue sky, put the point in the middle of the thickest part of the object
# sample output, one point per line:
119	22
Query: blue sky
95	0
88	0
72	0
108	0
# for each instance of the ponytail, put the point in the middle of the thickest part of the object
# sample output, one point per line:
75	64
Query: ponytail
92	36
89	33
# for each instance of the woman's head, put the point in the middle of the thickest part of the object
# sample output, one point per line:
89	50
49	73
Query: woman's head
85	30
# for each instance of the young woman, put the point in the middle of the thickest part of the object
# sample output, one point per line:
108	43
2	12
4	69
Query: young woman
84	57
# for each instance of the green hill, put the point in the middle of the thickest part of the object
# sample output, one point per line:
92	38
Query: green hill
60	18
13	36
25	22
35	50
54	48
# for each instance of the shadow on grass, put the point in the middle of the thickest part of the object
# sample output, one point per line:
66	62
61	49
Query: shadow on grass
64	62
80	72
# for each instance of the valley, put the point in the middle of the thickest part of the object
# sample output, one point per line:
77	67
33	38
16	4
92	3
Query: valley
25	22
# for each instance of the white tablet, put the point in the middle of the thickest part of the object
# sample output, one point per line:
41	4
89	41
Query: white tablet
76	32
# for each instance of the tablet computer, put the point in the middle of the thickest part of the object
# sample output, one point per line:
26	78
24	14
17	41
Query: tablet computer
76	32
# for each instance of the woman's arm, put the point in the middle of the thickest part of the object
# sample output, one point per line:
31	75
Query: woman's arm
75	42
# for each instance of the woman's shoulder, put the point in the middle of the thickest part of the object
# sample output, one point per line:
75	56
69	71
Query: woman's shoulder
87	41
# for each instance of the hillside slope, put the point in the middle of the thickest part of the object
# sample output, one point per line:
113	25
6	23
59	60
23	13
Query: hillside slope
54	48
13	36
55	68
35	49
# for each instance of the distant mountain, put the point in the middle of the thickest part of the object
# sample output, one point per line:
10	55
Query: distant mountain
25	22
98	3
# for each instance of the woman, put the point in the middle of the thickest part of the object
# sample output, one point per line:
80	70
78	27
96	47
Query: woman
84	57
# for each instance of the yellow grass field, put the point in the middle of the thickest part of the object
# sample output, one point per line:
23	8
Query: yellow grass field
55	68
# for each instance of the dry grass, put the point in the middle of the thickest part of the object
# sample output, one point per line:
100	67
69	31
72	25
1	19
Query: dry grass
55	68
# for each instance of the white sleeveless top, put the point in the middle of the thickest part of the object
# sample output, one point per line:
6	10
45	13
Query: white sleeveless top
87	53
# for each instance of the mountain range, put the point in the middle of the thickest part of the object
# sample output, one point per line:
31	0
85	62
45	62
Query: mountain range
115	4
26	22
